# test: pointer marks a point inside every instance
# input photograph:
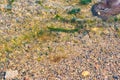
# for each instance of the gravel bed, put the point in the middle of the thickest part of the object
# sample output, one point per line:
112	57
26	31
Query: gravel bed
75	57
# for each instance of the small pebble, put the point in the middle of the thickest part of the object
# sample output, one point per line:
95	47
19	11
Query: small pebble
26	78
85	73
2	75
115	77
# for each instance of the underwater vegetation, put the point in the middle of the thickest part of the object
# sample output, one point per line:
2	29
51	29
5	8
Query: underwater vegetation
84	2
9	4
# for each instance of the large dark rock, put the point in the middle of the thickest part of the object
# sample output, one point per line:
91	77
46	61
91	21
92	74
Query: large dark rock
106	9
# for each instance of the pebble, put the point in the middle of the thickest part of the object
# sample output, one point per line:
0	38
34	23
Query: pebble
85	73
115	77
10	74
2	75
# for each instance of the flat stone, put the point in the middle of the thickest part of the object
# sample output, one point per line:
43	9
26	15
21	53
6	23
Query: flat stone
10	74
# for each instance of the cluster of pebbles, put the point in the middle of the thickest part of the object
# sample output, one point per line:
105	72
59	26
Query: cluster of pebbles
21	9
88	58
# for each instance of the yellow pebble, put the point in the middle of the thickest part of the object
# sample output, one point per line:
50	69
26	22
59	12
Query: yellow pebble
85	73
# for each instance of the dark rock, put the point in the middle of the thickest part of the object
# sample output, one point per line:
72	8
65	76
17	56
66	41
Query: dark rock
115	77
2	75
106	9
